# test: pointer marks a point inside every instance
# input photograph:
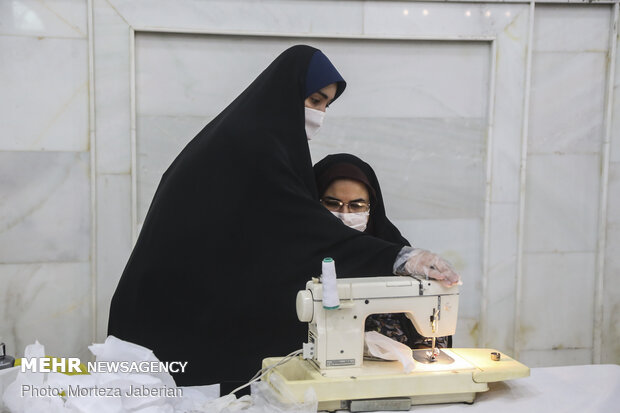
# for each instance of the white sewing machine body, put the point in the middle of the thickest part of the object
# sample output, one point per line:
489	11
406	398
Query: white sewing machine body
335	365
338	335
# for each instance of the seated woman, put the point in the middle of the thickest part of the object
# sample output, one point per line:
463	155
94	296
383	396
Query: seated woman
349	188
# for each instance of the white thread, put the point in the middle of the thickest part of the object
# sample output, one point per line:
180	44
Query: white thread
330	286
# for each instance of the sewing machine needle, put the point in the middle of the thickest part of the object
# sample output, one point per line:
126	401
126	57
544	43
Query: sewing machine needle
433	353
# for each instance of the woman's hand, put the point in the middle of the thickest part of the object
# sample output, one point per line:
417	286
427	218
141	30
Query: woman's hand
428	264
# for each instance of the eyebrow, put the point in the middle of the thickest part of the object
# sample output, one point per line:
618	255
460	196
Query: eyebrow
353	200
322	94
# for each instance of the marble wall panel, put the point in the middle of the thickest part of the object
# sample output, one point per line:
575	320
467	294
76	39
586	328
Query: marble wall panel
112	90
557	357
58	18
44	109
613	193
611	281
505	158
270	16
501	286
508	108
615	131
467	331
568	95
557	301
409	156
437	19
49	302
615	108
198	75
44	207
113	242
203	74
610	352
562	203
169	81
567	102
407	78
572	28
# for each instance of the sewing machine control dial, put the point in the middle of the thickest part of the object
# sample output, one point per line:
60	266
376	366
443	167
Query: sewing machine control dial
305	306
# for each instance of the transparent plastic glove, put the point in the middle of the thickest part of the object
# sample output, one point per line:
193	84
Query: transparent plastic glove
415	261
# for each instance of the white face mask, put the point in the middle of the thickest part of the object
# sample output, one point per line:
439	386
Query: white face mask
355	220
314	120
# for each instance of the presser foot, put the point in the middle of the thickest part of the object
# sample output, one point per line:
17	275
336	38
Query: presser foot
427	356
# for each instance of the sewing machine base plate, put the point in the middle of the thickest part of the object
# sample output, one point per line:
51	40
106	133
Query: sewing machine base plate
426	384
423	356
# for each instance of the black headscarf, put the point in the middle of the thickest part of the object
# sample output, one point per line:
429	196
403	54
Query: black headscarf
344	165
233	232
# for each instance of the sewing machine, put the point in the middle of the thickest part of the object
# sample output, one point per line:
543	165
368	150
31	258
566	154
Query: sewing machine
333	359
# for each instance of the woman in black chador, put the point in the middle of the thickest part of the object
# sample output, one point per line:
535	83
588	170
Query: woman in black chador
235	230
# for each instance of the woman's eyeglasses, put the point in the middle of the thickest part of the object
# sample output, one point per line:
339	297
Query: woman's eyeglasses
335	205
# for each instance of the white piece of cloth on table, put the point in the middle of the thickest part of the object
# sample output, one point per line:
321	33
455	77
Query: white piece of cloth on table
191	399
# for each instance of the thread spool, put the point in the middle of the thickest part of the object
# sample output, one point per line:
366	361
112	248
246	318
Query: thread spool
331	301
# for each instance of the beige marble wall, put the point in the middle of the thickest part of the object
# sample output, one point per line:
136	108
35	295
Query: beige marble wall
563	184
610	323
45	208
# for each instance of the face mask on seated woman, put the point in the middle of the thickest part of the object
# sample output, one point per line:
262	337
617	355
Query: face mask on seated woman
355	220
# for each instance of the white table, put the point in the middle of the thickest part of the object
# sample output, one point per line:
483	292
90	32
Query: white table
591	388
